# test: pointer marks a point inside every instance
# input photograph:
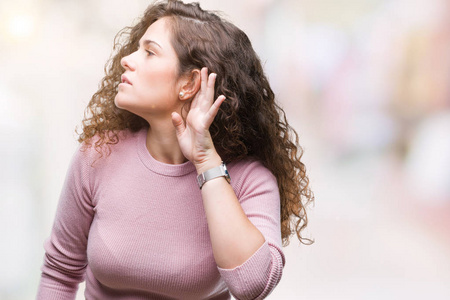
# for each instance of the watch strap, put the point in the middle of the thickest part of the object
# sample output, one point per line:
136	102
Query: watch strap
219	171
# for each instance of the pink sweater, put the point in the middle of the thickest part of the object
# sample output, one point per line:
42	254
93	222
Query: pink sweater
135	228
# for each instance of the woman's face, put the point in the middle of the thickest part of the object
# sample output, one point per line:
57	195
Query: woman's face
150	84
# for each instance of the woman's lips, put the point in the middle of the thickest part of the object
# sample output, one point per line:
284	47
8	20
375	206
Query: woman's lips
125	80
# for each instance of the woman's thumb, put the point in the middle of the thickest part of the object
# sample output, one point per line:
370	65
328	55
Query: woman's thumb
178	123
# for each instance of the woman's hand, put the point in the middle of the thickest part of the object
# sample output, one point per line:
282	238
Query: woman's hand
193	136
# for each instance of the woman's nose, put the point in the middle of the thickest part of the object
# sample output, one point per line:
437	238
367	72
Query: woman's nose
127	63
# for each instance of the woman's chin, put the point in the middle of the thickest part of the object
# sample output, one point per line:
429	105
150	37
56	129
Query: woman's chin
120	102
126	105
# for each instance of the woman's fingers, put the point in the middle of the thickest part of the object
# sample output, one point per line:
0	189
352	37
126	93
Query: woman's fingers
204	100
199	97
210	87
204	80
213	110
206	93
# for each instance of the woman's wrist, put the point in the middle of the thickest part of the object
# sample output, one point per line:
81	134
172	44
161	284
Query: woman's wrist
207	163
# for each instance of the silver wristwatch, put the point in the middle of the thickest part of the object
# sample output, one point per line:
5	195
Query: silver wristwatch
213	173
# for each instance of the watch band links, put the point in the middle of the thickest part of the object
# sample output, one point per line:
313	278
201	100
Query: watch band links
219	171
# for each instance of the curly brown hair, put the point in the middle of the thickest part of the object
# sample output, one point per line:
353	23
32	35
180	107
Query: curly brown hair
249	124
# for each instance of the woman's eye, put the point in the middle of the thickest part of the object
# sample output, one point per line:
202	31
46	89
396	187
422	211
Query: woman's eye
149	53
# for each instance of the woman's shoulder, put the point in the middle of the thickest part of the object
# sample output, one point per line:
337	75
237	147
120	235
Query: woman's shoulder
111	137
250	178
249	169
107	143
247	164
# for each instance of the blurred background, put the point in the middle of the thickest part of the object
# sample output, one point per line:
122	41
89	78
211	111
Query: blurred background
364	82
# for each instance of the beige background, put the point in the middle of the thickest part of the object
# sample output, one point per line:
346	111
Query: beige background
364	82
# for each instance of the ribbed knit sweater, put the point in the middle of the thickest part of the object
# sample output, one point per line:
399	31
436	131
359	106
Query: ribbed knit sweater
135	228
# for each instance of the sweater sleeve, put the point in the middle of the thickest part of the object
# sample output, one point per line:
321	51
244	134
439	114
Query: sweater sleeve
65	250
258	194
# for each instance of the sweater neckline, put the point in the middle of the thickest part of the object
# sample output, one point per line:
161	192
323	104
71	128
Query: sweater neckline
156	166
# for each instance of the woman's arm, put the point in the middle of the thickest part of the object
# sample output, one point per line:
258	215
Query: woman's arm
65	250
258	194
249	263
233	237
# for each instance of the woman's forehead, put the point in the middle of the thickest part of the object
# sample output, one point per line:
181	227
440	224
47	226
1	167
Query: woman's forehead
158	32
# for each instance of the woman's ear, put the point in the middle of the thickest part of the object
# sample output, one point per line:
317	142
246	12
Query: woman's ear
190	85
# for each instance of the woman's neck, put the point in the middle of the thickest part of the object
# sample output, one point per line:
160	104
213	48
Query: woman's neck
162	143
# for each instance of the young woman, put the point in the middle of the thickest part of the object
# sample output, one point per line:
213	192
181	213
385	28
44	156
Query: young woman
188	178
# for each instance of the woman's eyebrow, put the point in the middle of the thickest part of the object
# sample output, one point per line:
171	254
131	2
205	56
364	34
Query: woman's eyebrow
147	42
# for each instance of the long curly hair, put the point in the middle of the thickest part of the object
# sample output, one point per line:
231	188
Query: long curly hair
249	123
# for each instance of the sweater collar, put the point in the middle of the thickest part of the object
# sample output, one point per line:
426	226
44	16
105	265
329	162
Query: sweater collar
157	166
